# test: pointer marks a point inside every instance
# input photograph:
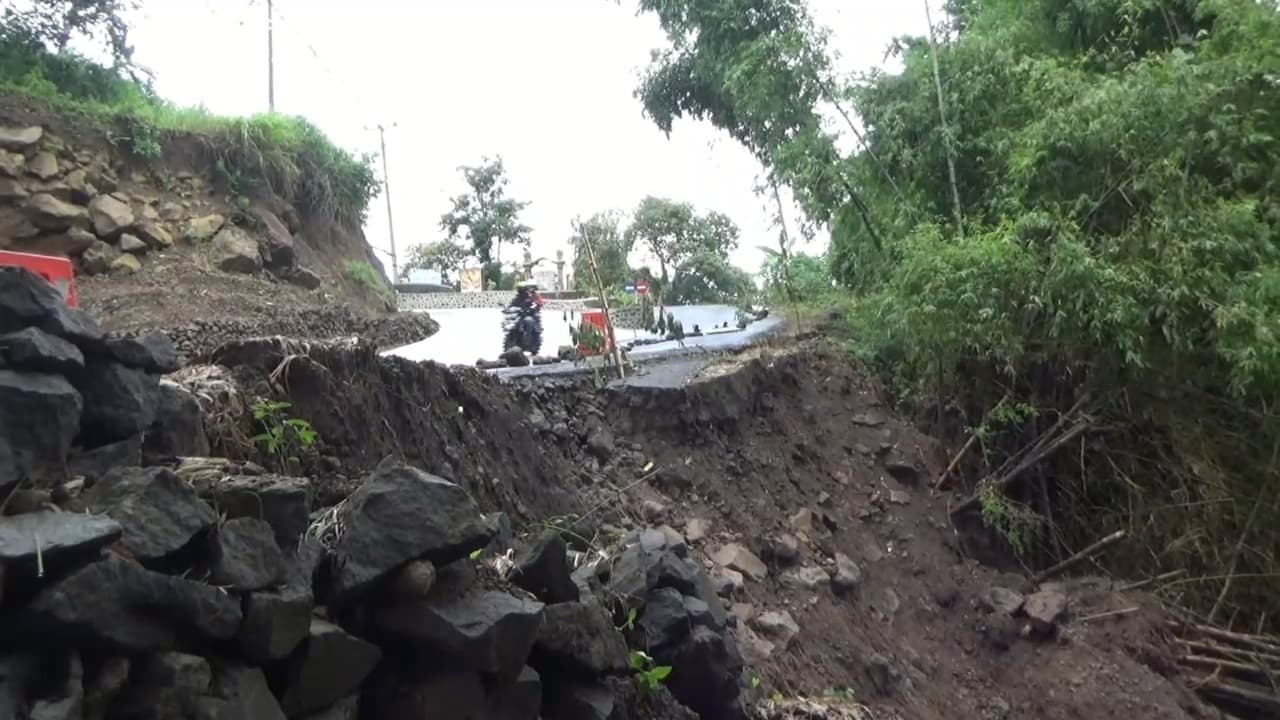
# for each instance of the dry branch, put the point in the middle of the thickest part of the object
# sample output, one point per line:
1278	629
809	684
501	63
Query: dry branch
1077	557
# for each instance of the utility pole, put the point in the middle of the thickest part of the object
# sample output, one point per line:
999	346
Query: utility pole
386	190
271	59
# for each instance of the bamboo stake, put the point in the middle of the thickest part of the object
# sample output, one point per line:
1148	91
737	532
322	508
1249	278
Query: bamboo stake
604	301
1076	558
942	117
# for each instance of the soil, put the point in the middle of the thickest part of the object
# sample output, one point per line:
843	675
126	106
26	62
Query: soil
743	445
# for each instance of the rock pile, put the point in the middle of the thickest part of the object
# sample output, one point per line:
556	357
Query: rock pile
55	201
73	398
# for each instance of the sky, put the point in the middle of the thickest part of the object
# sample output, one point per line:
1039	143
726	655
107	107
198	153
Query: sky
546	84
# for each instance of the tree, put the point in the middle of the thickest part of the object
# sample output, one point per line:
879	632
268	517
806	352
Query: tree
612	247
490	217
673	233
55	23
447	256
707	276
664	228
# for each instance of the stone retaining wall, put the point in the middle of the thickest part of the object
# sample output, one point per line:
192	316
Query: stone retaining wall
467	300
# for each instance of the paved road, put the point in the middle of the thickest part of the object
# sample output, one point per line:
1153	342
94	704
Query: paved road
695	353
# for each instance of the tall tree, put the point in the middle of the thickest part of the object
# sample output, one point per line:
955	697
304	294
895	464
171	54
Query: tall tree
612	247
490	217
664	228
56	23
447	256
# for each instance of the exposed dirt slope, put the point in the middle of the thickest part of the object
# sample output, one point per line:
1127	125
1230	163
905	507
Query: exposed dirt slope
746	449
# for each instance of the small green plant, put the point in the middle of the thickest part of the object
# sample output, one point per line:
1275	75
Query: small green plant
283	438
648	675
475	554
755	682
630	622
1016	523
776	697
363	274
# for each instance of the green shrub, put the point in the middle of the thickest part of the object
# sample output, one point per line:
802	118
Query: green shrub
287	155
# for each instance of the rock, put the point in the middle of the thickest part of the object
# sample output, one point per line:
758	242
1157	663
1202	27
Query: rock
284	502
653	511
899	497
579	638
542	568
71	243
514	357
12	190
12	164
65	703
491	632
401	514
153	234
521	700
39	419
245	556
97	259
132	244
783	549
808	578
234	251
168	685
171	211
16	672
118	402
903	471
777	625
96	462
726	581
848	575
110	216
802	522
414	581
152	352
50	213
706	672
1001	600
20	138
567	352
203	228
664	622
25	299
884	676
82	191
755	649
34	350
871	418
111	604
416	693
279	240
582	701
327	667
600	443
125	264
275	622
303	278
1045	609
61	540
43	165
178	430
246	693
160	513
345	709
697	529
15	226
737	557
75	325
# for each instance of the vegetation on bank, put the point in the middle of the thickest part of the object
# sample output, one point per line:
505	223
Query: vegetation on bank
286	155
1070	209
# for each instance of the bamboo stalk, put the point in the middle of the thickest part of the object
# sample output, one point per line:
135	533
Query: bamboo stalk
1111	613
604	301
1140	584
1219	664
1076	558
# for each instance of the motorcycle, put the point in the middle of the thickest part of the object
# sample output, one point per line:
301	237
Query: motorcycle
521	329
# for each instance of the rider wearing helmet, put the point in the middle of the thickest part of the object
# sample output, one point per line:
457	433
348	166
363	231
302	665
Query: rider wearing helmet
527	297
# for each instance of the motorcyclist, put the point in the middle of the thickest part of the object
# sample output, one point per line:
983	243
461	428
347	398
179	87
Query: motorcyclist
529	303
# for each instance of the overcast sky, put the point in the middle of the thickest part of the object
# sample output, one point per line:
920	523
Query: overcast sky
547	84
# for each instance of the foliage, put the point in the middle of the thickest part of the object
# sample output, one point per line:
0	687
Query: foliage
283	438
362	273
54	24
490	217
447	256
809	277
1115	162
707	277
286	155
649	676
612	247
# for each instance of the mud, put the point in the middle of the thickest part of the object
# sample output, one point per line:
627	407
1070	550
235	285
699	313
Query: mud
780	440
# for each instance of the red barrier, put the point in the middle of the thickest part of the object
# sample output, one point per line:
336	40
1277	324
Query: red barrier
57	271
594	319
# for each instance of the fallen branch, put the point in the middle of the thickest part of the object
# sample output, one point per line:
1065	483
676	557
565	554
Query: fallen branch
1076	558
1219	664
1140	584
1259	642
937	484
1244	535
1111	613
1254	696
1229	652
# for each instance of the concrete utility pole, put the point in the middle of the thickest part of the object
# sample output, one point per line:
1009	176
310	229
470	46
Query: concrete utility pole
386	190
271	59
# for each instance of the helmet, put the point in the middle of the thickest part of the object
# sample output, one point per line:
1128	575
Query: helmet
526	285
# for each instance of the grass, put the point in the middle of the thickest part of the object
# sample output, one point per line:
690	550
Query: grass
286	155
362	273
